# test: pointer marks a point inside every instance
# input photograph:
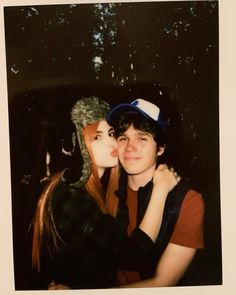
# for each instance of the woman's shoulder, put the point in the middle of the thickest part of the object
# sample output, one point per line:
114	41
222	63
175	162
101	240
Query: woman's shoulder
64	192
72	203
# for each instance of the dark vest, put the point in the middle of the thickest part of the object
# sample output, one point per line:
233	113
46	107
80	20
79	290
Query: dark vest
171	212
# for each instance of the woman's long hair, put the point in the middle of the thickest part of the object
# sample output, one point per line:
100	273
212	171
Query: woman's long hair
44	221
108	202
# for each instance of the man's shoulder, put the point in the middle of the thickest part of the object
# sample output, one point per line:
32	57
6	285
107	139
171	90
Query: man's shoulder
188	230
178	194
193	200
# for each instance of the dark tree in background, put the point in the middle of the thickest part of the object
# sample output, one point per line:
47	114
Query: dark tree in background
166	52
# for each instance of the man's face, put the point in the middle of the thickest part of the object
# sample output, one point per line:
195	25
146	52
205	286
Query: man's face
137	151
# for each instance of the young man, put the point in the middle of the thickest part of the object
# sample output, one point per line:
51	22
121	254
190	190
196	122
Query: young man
141	140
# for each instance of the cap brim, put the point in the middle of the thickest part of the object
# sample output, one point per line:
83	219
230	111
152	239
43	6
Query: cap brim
119	109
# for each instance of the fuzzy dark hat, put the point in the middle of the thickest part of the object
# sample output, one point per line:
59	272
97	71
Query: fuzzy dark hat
87	110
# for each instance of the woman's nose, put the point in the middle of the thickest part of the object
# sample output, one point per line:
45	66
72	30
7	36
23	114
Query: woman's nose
112	141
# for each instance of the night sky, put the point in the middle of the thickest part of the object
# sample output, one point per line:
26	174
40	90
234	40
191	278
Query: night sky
166	52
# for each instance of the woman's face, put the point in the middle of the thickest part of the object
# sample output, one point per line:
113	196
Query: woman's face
104	147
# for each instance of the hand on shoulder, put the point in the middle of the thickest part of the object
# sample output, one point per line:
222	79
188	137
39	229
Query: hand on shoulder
165	178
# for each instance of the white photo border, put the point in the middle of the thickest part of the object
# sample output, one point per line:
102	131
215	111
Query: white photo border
227	165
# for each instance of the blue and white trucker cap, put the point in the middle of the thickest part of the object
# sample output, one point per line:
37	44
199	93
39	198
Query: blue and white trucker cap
144	107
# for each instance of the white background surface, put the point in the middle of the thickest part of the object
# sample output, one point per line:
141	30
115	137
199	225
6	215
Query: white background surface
227	19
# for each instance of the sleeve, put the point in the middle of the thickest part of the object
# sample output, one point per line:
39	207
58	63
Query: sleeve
92	242
139	251
93	236
189	229
134	252
82	225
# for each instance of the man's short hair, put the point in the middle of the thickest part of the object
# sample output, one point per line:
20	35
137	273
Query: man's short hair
140	123
143	115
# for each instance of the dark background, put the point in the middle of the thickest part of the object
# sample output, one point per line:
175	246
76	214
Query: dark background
166	52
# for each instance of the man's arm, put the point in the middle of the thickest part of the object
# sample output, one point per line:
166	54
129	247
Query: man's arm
176	258
171	267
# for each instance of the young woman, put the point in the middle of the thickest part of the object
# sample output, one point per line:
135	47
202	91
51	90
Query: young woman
77	240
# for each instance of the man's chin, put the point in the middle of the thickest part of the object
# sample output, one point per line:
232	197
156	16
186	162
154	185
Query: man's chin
132	171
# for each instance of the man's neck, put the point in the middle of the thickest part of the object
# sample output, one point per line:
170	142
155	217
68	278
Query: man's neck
140	180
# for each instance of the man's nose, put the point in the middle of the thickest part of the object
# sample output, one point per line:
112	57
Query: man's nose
131	145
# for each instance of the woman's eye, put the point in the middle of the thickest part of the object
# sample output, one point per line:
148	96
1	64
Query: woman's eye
143	138
112	134
97	137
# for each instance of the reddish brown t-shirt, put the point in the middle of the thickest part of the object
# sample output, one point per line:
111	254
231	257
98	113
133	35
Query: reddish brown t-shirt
188	230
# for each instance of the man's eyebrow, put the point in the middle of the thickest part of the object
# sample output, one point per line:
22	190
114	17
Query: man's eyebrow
142	133
121	134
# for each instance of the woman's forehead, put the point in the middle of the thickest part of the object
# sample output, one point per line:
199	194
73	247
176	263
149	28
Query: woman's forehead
103	125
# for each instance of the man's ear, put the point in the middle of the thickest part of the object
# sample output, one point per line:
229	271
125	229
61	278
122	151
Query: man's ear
161	150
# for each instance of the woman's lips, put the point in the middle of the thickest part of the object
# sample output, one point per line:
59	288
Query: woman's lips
114	153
